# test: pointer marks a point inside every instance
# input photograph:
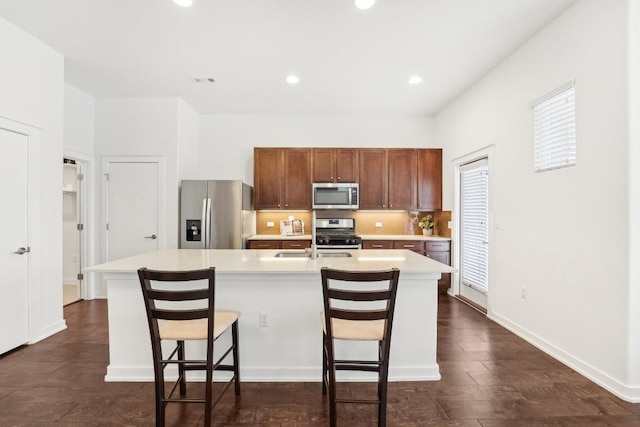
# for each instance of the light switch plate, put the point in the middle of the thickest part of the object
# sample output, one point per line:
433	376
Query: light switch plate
270	224
449	224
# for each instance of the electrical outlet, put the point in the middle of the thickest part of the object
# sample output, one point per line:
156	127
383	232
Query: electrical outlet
378	225
523	293
270	224
263	319
449	224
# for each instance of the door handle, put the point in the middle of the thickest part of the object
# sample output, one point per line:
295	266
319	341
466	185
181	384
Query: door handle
153	236
22	251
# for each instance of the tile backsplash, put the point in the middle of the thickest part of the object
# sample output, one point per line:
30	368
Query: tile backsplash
367	222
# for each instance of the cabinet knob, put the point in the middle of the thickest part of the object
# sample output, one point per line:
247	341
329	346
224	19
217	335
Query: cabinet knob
383	206
338	178
332	178
390	206
285	205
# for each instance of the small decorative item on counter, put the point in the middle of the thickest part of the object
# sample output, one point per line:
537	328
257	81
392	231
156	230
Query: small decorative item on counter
291	227
297	226
413	220
426	223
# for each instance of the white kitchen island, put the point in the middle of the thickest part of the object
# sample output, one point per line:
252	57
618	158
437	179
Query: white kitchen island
289	291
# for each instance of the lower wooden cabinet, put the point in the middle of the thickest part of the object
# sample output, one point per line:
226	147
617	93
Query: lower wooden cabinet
377	244
438	250
295	244
441	252
279	244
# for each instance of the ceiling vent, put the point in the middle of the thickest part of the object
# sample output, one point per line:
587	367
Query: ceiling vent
204	80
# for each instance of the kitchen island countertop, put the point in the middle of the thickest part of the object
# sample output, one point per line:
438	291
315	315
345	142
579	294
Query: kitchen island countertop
287	292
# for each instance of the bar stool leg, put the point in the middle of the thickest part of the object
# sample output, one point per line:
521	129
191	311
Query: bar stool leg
181	370
324	364
236	356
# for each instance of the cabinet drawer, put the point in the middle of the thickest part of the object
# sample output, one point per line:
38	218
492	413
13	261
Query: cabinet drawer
264	244
412	245
295	244
377	244
431	246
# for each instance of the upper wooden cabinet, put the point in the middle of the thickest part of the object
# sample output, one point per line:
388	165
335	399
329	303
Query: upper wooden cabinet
282	178
373	178
402	178
335	165
389	178
267	177
430	179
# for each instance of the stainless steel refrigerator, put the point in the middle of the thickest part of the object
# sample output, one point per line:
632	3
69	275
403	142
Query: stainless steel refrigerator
216	214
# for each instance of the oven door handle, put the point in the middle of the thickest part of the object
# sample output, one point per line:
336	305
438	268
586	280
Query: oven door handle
330	247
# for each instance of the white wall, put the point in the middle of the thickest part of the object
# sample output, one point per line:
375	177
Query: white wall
79	121
188	137
227	141
562	233
634	194
31	84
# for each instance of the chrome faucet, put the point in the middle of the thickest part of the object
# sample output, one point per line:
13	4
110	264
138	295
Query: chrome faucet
313	252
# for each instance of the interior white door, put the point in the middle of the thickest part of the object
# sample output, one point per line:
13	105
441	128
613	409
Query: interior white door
14	240
132	208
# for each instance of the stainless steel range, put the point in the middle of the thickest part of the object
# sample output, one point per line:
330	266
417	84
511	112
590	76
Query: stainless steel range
337	233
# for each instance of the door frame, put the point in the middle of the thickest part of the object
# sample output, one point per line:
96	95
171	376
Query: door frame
86	195
34	141
160	160
487	152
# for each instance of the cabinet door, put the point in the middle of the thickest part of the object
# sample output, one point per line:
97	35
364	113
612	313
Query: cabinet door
297	178
373	178
402	179
346	165
377	244
323	165
430	179
267	167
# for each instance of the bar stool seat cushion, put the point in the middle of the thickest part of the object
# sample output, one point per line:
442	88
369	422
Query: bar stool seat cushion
356	330
197	329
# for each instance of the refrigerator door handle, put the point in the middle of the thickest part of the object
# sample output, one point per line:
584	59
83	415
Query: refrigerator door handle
204	223
208	224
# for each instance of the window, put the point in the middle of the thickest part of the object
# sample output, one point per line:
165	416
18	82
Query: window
474	225
554	129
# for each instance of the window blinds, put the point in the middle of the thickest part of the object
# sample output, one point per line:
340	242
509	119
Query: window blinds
554	129
474	225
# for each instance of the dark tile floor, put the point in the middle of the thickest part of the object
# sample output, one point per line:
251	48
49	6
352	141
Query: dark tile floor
490	378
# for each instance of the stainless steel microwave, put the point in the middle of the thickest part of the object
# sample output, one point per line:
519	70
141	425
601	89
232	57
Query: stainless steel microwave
335	196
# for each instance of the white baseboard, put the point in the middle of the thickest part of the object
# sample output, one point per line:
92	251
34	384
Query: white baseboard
623	391
48	331
268	374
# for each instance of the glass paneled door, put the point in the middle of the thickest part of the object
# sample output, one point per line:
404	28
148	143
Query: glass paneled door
474	231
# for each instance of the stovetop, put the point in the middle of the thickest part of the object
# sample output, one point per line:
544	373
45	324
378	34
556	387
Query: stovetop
337	232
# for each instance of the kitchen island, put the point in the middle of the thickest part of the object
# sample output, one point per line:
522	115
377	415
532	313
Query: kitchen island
280	299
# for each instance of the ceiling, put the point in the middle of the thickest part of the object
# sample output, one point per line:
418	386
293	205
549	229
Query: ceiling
349	61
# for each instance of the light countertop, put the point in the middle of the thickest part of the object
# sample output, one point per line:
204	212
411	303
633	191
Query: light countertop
263	261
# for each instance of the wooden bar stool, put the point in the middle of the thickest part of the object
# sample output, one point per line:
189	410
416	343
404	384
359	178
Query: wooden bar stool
176	320
361	322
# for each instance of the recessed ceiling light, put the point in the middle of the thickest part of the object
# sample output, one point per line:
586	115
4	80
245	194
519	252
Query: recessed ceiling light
292	80
364	4
414	80
183	3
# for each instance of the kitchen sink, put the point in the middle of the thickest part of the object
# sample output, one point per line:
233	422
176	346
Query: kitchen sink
290	255
305	255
